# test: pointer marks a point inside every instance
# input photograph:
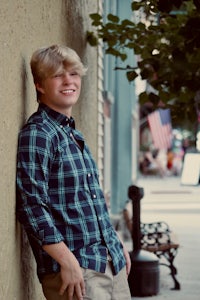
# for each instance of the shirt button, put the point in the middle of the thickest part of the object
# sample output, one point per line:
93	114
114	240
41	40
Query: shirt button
89	175
94	196
61	126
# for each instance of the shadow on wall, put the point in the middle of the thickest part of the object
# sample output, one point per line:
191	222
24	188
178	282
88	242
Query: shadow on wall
27	268
73	12
24	79
27	262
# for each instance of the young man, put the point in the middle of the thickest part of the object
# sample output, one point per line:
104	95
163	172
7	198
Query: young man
59	200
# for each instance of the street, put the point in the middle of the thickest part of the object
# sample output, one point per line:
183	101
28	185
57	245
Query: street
165	199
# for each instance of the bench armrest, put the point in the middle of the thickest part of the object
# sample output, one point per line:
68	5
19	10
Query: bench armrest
156	234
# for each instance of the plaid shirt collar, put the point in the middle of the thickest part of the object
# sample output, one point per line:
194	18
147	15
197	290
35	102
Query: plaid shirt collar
56	116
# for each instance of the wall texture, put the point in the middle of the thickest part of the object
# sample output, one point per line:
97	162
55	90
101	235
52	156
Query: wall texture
25	26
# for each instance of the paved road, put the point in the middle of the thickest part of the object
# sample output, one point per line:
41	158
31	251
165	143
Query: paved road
167	200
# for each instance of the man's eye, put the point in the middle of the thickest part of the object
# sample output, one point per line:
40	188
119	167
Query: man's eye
58	75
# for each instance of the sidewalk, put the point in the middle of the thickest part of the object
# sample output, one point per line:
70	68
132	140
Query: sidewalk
166	199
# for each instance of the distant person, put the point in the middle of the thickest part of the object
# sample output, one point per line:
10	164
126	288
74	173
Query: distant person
161	160
59	199
170	157
178	161
153	162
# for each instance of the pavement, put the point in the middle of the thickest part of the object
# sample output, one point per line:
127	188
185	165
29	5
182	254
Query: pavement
166	199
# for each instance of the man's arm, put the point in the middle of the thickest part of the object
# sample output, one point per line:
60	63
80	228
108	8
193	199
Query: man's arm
35	154
71	275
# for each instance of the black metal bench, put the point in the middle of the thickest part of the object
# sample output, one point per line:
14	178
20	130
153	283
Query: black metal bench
157	238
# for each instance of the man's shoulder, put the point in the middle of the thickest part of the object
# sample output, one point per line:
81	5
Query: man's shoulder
37	120
38	125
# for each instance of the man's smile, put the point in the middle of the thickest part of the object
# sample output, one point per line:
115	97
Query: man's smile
68	91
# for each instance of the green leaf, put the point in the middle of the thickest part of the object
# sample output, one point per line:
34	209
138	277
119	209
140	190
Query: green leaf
146	73
113	18
123	56
131	75
91	38
111	40
154	98
113	52
96	17
141	26
135	6
111	26
127	23
143	98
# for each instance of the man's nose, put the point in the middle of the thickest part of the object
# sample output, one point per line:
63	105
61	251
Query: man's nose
67	78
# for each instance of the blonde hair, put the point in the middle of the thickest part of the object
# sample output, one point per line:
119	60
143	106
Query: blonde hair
46	61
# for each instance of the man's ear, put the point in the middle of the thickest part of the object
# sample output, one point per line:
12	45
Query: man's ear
39	88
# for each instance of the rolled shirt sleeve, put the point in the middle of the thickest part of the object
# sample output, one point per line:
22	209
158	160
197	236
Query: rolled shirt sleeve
35	154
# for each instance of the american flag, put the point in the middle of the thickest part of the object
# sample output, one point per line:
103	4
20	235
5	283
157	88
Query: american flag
161	129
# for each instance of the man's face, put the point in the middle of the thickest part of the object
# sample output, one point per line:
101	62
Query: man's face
61	91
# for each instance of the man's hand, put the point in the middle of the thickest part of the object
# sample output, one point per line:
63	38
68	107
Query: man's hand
126	255
72	279
71	274
128	261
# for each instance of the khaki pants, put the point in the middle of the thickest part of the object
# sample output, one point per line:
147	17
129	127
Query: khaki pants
99	286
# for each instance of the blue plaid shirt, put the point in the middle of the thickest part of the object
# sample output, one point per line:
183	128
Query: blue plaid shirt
59	197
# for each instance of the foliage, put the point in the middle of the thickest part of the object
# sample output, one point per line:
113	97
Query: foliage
165	36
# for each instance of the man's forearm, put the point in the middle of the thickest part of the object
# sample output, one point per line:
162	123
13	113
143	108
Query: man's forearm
71	274
59	252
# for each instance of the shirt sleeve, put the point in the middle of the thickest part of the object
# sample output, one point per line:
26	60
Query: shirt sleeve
34	159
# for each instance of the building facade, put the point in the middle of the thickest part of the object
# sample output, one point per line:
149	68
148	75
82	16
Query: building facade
121	121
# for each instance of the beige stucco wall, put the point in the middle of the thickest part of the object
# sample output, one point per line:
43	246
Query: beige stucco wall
25	26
